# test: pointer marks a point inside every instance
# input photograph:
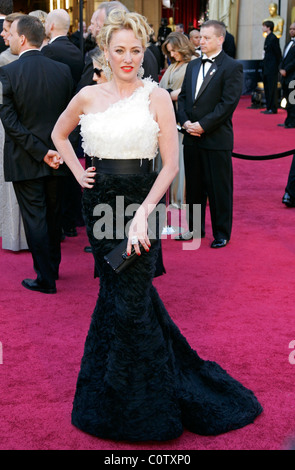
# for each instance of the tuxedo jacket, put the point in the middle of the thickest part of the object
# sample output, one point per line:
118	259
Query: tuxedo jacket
288	64
215	103
36	90
150	65
229	45
63	50
272	55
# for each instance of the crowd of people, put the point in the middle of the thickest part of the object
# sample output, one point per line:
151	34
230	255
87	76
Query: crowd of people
167	102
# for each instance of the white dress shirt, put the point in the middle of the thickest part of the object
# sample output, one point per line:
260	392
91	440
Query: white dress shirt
203	71
289	47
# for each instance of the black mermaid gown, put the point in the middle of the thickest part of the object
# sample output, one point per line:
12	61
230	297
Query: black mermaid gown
139	379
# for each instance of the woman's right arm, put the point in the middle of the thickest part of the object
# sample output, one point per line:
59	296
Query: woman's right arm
66	123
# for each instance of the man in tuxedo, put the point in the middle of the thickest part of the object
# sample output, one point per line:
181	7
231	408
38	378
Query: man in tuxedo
229	45
36	90
210	93
270	67
61	49
287	71
194	37
6	8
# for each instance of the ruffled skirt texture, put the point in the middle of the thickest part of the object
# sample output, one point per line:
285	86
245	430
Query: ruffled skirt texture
139	378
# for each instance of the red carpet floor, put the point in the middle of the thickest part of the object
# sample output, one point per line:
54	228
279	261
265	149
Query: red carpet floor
234	305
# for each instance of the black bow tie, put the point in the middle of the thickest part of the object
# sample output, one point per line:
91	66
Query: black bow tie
207	60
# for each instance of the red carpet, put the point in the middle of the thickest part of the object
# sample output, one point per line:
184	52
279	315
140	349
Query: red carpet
234	305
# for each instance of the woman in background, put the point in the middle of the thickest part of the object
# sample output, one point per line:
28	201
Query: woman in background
11	224
180	51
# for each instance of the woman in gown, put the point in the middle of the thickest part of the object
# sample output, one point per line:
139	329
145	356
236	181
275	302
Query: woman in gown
180	51
11	223
139	378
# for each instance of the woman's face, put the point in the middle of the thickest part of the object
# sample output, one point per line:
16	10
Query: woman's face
125	54
177	56
5	32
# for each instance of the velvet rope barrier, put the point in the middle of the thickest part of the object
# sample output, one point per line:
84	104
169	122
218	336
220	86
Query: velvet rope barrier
254	157
263	157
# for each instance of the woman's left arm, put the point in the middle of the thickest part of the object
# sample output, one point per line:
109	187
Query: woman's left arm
162	109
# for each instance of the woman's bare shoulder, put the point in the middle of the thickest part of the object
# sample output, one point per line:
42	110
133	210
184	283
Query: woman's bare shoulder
159	96
90	96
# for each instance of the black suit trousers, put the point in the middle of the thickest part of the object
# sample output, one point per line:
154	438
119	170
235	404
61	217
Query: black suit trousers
40	205
209	174
270	82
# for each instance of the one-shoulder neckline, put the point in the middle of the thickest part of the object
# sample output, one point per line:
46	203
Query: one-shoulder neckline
122	100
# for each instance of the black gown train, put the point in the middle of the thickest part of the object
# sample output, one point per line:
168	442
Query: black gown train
139	379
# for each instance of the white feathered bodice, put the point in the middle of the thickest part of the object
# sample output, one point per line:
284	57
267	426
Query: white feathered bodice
125	130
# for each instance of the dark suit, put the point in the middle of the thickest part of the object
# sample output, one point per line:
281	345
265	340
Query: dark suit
150	65
229	45
207	159
63	50
2	43
288	64
270	70
36	90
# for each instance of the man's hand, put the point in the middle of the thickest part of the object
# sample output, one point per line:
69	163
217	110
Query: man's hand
193	128
283	72
53	159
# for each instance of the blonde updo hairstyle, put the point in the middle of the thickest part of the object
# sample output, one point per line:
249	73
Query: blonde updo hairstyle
118	20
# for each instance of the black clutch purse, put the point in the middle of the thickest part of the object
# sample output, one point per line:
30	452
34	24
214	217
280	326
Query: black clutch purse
118	259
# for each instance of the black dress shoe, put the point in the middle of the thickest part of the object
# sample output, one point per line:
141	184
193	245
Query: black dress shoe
219	243
288	126
268	111
288	200
35	285
282	125
71	232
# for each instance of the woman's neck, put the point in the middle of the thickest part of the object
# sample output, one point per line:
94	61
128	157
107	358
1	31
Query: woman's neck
124	89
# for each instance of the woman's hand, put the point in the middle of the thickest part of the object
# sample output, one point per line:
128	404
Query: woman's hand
174	94
87	179
138	233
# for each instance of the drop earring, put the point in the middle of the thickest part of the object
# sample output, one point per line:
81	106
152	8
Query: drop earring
107	70
140	72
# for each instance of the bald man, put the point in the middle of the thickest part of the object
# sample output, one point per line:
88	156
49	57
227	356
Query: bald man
195	37
60	48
